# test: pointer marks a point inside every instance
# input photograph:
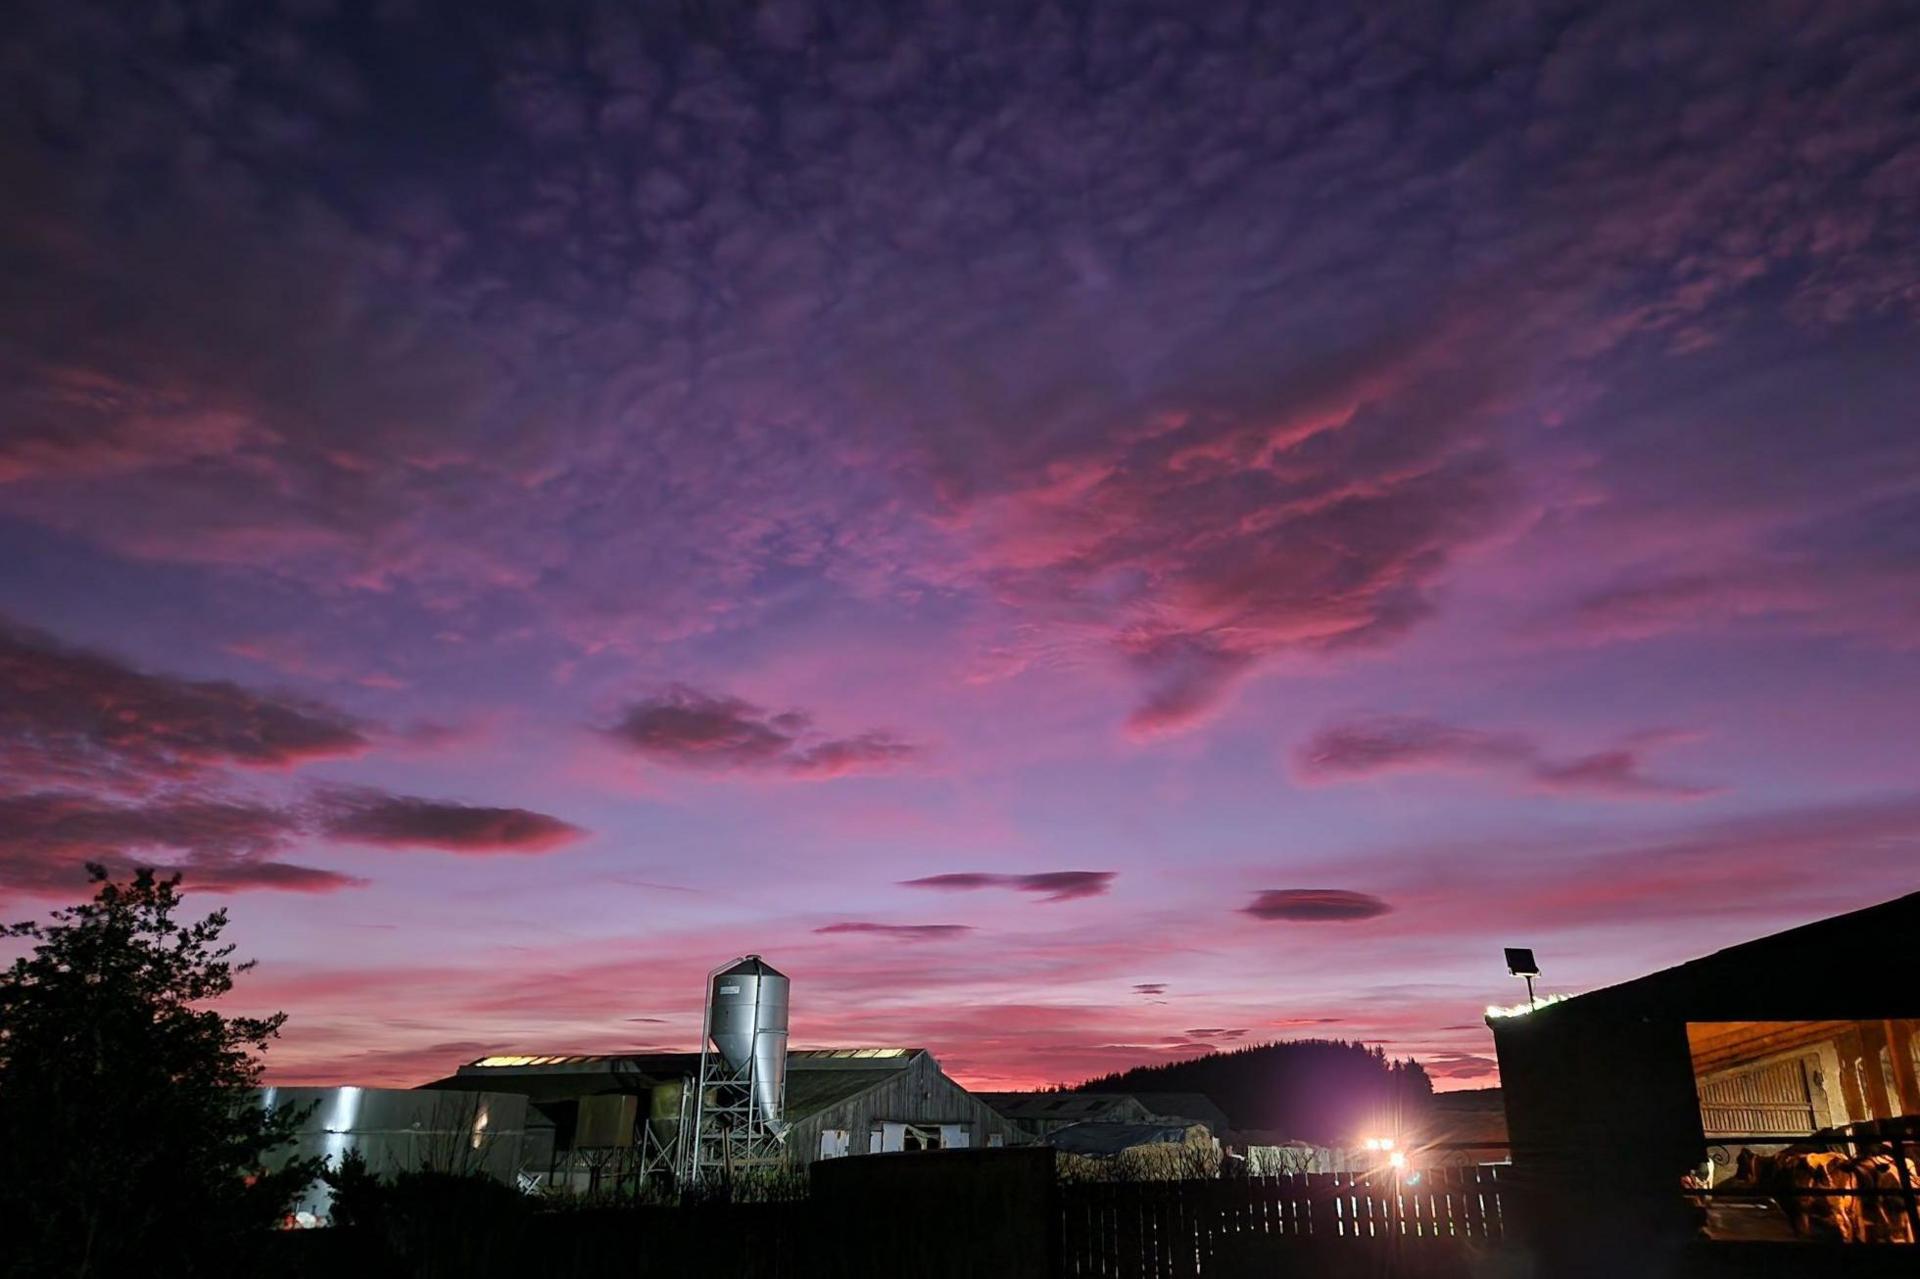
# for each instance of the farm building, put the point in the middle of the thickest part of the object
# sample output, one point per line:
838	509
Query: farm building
1195	1108
1036	1114
402	1130
1613	1097
615	1113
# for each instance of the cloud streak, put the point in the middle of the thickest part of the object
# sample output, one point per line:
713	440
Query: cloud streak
1380	747
897	932
1048	886
372	817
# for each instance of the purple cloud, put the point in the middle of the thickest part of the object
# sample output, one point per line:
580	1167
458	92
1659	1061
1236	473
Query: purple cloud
404	821
1376	747
1052	886
686	728
47	838
68	715
901	932
1315	905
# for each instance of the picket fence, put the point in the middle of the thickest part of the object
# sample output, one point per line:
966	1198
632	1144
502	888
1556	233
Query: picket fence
1151	1229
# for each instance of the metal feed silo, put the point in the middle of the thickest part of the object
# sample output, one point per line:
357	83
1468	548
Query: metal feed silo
747	1022
741	1091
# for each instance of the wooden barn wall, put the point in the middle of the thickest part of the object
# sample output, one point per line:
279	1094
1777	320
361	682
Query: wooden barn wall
919	1093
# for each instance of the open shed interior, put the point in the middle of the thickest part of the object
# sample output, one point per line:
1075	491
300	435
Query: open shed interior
1794	1078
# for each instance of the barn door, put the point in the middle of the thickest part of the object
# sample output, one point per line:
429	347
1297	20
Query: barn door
1768	1101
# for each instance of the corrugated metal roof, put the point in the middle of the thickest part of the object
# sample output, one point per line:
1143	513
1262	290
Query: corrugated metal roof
810	1091
1054	1105
816	1077
1111	1139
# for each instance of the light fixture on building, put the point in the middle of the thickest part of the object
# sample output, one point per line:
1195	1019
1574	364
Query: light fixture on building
1521	963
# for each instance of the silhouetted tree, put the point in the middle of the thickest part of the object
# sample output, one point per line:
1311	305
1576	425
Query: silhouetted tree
1319	1090
131	1140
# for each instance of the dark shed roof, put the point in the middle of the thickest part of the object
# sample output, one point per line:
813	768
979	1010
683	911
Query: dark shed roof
1855	966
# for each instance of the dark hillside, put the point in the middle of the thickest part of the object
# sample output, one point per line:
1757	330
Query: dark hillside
1319	1090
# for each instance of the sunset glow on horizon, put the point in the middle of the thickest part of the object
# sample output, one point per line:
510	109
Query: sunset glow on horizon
1084	535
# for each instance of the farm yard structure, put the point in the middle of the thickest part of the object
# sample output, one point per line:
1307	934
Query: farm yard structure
1193	1107
616	1116
1037	1114
1802	1042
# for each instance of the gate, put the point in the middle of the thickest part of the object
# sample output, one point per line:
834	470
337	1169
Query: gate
1774	1100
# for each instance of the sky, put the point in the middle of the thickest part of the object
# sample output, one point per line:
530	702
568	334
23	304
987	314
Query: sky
1083	533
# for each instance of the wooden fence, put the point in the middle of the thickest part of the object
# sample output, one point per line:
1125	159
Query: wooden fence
1149	1229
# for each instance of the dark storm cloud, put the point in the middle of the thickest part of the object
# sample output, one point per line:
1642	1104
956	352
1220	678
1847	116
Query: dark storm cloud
405	821
900	932
1315	905
1374	747
1052	885
67	714
687	728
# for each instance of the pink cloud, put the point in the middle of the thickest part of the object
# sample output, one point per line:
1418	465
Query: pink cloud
1378	747
1209	538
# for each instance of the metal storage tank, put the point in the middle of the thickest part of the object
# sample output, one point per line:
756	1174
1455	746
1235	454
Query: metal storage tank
747	1021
